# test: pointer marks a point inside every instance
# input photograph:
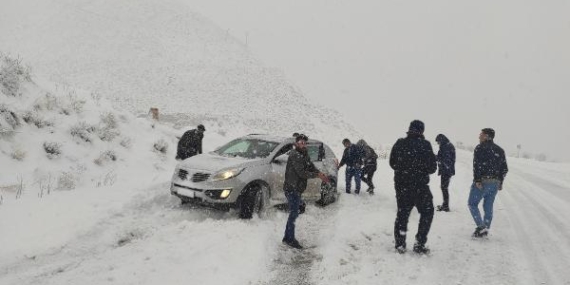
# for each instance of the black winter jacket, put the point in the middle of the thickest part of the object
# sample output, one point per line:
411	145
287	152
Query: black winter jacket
190	144
298	170
413	160
352	156
445	157
489	161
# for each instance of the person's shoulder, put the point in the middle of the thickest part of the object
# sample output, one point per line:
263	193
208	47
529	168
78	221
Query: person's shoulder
498	147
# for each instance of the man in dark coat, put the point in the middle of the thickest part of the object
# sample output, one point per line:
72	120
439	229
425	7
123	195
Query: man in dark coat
413	161
191	143
445	168
489	171
352	157
298	170
370	164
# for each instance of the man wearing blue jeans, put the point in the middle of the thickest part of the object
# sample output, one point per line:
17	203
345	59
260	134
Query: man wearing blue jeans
299	168
489	171
353	158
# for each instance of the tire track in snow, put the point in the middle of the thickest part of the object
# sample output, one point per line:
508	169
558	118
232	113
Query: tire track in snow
136	221
292	266
538	231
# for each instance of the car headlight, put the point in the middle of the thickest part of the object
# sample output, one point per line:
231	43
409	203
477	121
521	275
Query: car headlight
227	174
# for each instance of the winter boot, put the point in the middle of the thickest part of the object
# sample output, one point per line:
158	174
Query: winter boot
401	249
421	249
293	243
442	208
480	231
302	207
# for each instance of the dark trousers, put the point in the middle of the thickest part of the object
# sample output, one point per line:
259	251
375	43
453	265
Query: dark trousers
294	201
409	196
445	189
368	174
353	172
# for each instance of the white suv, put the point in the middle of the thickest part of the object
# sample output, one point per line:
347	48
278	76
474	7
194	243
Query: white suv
248	174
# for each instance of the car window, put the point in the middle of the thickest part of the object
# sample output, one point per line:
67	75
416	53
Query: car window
248	148
316	152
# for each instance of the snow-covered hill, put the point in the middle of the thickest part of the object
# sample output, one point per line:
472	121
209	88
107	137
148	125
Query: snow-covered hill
146	53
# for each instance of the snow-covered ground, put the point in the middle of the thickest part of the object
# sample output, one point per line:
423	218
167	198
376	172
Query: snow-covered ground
131	233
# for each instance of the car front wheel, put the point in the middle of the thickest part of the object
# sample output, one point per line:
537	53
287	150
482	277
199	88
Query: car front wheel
254	200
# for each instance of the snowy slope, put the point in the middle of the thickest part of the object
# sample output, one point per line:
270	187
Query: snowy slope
144	54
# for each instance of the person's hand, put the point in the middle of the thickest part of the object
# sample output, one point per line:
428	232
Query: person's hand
324	177
500	186
479	185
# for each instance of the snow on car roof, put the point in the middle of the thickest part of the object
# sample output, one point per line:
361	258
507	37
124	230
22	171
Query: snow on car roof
276	138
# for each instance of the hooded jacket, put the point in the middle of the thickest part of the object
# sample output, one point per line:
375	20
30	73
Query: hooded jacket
445	156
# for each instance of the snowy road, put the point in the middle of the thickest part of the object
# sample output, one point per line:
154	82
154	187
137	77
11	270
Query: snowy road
152	239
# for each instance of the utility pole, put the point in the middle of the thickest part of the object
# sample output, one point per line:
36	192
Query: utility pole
518	150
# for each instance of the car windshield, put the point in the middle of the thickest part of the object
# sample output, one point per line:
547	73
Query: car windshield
247	148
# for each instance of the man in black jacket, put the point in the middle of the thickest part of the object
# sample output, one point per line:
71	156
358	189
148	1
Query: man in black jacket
489	171
191	143
413	161
298	170
445	168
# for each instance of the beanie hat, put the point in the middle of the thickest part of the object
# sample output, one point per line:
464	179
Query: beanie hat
416	127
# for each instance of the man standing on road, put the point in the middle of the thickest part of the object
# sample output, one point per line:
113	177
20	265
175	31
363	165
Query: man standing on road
352	157
298	170
413	161
445	168
489	171
191	143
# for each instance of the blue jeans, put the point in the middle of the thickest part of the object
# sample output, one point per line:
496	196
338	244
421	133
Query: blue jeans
487	194
353	172
294	200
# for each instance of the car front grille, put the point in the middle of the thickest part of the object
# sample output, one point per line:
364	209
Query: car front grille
182	174
199	177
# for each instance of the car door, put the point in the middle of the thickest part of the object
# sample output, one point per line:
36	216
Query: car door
317	155
277	171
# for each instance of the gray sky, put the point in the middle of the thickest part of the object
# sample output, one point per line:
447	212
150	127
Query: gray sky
457	66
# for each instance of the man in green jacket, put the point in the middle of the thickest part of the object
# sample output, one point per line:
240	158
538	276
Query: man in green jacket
298	170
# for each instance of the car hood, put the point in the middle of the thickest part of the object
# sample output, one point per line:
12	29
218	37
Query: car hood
213	162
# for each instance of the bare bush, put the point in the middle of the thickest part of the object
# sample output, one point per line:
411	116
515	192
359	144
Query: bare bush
47	102
75	103
20	186
108	130
12	73
18	154
32	117
45	185
106	180
66	181
126	142
82	131
53	149
106	156
161	146
8	117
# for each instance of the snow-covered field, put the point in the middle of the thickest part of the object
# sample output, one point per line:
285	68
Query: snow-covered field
131	233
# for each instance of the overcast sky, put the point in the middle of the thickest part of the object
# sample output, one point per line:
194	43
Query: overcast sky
458	66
